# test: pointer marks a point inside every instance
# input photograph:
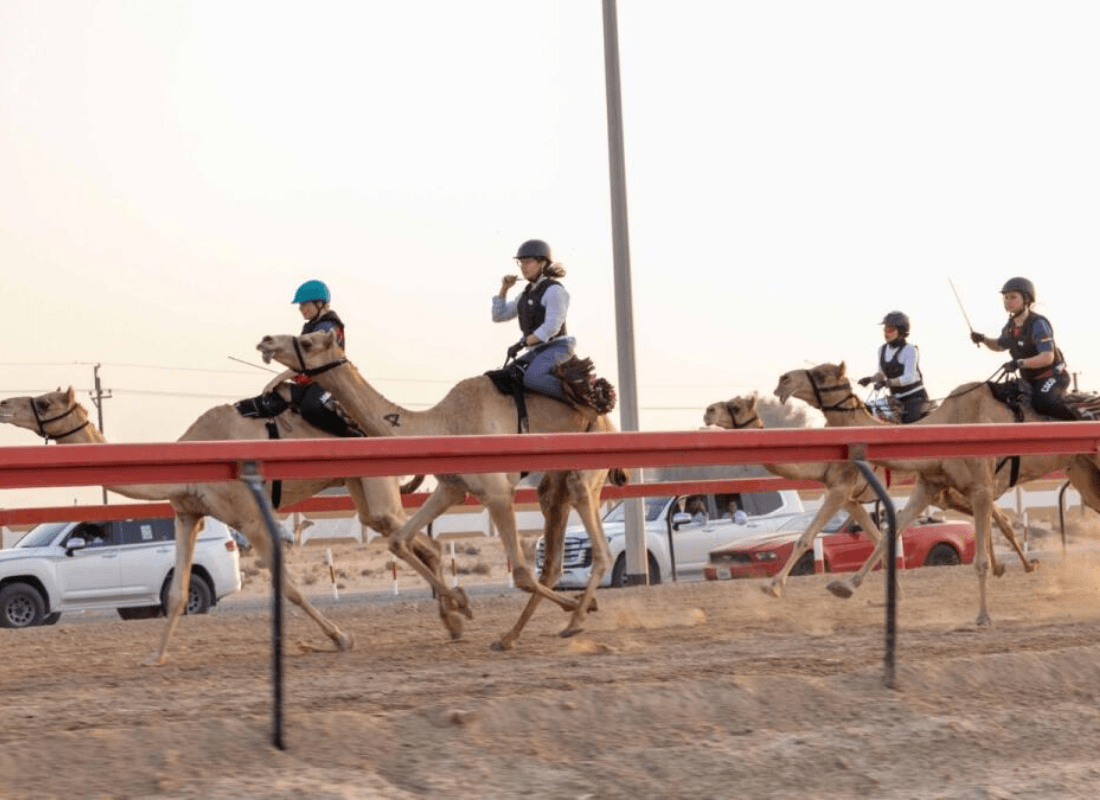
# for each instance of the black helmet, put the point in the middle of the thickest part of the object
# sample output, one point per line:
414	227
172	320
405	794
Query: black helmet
896	319
1021	285
534	248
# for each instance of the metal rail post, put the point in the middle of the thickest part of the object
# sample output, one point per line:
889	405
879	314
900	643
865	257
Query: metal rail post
249	472
891	570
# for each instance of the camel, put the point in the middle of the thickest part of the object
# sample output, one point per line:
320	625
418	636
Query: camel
845	487
979	480
474	407
58	416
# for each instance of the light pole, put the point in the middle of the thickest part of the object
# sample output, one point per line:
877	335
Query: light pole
98	396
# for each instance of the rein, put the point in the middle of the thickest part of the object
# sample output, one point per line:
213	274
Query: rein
42	423
309	373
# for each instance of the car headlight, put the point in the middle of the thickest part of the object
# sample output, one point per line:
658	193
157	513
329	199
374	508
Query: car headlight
767	555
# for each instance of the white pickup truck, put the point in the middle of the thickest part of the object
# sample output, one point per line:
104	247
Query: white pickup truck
125	564
672	532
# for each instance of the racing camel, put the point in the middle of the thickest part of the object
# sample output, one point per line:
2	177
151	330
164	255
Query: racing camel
58	416
475	407
845	487
980	480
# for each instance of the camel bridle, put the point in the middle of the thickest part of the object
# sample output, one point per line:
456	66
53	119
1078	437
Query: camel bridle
733	418
838	406
309	373
42	423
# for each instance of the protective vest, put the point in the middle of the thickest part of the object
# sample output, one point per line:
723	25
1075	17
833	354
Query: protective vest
531	311
326	321
1022	344
894	368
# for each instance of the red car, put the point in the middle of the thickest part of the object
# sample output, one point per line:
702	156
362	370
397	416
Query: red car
928	543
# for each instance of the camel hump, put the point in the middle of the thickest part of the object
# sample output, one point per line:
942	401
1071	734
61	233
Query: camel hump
579	381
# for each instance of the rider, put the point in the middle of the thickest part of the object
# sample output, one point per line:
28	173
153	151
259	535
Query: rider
1029	338
541	308
315	404
899	368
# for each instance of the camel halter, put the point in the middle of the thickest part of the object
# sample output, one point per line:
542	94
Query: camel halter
733	418
42	423
846	386
309	373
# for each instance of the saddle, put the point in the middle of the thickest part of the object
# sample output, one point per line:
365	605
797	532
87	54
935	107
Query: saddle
578	380
1086	405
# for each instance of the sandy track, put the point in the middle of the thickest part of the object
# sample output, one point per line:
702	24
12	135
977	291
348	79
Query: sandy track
677	691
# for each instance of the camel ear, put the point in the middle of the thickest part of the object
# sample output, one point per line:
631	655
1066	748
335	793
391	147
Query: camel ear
840	370
70	396
754	400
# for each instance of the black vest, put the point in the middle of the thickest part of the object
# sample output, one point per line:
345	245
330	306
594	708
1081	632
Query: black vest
1023	345
532	313
329	316
893	369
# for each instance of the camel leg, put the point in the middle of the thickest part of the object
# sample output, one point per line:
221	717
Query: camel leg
187	533
584	489
378	502
555	515
402	545
504	517
983	504
832	501
1010	534
918	501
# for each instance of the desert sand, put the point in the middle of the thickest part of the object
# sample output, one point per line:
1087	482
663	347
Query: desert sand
686	690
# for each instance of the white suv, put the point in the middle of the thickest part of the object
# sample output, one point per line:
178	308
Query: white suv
125	564
667	520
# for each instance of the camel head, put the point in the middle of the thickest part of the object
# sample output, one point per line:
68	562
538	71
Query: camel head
36	413
737	412
807	384
300	353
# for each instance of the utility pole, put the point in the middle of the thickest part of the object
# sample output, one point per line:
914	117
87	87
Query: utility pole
98	396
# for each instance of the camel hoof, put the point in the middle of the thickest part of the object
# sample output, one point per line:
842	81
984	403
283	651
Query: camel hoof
1031	566
500	646
840	589
454	625
772	589
568	632
155	660
345	642
462	602
984	621
999	570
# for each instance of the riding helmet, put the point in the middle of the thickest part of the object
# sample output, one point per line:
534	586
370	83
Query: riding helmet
1021	285
534	248
896	319
315	291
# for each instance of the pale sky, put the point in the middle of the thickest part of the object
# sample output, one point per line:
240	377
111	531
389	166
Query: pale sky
170	172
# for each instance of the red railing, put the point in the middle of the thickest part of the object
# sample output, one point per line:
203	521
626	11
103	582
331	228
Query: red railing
115	464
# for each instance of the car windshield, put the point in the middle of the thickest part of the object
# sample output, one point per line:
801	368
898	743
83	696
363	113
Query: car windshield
800	522
41	535
653	508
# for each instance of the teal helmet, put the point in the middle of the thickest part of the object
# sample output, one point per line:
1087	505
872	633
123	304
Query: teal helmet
312	290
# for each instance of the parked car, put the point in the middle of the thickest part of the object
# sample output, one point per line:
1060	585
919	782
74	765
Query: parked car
694	524
126	564
930	542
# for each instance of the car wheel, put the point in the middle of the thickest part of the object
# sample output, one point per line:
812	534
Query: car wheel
199	596
942	555
21	606
141	612
618	574
805	565
51	619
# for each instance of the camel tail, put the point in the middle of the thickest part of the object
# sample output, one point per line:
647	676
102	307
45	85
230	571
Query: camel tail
617	476
412	485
